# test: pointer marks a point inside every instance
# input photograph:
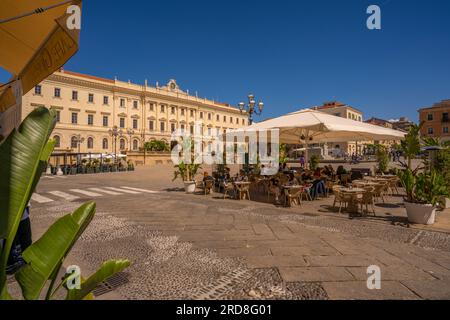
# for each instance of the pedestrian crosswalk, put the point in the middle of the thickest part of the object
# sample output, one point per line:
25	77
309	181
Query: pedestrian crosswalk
76	194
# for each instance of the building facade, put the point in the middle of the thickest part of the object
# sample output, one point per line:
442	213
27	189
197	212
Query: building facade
436	120
89	107
385	124
342	110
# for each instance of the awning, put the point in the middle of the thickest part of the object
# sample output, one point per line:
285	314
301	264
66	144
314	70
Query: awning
37	37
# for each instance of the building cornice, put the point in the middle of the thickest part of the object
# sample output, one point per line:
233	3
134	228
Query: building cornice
145	92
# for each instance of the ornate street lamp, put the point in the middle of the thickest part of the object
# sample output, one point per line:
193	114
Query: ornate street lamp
252	108
115	132
130	133
79	140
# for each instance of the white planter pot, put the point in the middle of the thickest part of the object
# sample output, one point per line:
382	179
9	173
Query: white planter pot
421	213
48	172
445	203
189	186
59	172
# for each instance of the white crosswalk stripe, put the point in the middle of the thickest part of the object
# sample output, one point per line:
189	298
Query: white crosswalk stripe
64	195
140	190
40	199
123	190
87	193
113	193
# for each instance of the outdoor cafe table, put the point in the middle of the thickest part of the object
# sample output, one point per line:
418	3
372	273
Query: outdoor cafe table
352	205
365	183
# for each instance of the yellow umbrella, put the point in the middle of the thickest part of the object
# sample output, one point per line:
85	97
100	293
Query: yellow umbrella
36	38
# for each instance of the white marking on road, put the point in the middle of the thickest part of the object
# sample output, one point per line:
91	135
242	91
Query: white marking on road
40	199
64	195
140	190
87	193
123	190
106	191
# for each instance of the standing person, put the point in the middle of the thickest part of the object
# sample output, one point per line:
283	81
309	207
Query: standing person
302	161
21	242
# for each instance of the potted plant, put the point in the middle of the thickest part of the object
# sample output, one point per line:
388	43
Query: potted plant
314	162
423	194
382	158
187	173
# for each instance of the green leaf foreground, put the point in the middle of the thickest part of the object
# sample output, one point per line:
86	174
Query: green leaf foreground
24	156
44	257
106	271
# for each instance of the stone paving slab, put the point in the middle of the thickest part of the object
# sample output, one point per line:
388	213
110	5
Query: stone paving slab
272	261
181	244
357	290
340	261
392	273
315	274
431	290
243	252
304	251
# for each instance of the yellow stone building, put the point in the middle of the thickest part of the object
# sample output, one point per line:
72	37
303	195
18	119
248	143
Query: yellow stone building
88	107
342	110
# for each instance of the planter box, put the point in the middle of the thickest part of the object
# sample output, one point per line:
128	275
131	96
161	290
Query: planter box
421	213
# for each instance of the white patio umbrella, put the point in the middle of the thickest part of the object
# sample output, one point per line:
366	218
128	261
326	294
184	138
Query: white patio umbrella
311	126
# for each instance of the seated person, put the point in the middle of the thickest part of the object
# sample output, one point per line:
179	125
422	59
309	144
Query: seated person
340	171
292	180
241	177
207	177
318	186
274	188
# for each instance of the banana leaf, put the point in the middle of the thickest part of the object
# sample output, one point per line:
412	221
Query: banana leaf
45	256
22	157
106	271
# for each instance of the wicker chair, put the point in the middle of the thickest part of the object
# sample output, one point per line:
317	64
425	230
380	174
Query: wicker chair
346	179
243	191
208	186
368	199
344	199
228	188
292	195
380	191
306	193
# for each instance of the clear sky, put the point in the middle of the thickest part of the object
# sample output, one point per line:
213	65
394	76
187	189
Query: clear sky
291	54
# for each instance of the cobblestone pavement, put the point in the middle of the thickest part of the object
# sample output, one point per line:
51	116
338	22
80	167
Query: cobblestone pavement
203	247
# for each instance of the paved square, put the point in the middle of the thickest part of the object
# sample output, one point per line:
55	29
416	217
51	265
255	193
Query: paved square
203	247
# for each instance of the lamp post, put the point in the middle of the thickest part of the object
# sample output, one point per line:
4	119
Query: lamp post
115	132
252	108
130	133
79	140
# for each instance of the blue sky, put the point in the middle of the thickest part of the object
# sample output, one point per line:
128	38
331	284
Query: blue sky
291	54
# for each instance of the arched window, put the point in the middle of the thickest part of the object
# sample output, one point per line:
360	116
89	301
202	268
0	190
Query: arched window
57	141
105	144
135	145
122	144
90	143
74	142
